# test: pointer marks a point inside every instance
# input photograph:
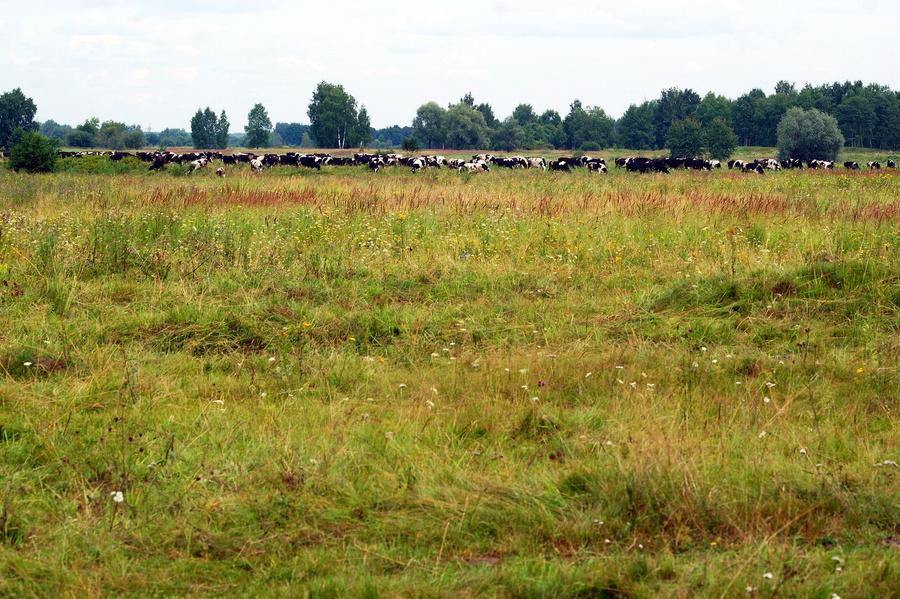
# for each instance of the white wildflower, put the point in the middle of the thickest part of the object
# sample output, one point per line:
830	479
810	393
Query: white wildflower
117	496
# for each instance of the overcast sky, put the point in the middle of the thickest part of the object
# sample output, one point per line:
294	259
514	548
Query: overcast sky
155	63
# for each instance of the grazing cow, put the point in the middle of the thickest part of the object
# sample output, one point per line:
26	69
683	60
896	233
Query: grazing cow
873	165
220	172
854	166
310	161
596	166
196	165
560	165
455	162
890	164
474	167
375	162
418	164
256	164
736	164
753	167
537	162
715	164
621	162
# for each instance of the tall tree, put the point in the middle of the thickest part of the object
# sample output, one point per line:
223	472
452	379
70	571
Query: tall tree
588	126
635	128
258	128
207	131
428	125
684	139
334	121
524	114
222	126
720	139
363	126
712	107
465	128
488	113
743	116
508	136
16	112
673	104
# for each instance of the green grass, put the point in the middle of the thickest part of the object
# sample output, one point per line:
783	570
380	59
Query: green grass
516	384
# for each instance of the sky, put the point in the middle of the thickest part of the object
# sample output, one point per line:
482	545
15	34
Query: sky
155	63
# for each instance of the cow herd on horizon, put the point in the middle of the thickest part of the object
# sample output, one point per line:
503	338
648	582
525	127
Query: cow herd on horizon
478	162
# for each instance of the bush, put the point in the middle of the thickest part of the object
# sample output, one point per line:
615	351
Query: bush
34	153
410	144
590	146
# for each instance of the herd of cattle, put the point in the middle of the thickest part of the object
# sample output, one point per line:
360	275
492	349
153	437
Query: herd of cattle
478	162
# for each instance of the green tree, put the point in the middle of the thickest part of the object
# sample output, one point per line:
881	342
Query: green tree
721	139
673	104
133	139
363	127
51	128
684	139
508	136
222	126
712	107
111	135
84	135
635	129
743	116
429	124
291	133
207	131
32	152
16	112
334	121
257	128
489	119
173	138
808	134
465	128
524	114
592	125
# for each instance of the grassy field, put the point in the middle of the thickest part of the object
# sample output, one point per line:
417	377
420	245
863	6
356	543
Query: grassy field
510	384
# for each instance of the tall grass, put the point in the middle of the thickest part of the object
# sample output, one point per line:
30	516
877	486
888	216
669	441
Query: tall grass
514	384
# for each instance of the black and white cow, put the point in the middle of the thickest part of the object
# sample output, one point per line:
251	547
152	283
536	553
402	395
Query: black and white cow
873	165
853	166
474	167
595	166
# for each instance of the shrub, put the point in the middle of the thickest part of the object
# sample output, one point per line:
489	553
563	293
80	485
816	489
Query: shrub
34	153
410	144
590	146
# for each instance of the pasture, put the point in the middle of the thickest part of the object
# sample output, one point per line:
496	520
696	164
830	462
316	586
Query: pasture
509	384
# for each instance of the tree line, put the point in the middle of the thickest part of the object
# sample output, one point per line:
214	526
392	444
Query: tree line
679	119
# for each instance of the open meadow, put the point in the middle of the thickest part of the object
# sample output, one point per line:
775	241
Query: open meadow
513	384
